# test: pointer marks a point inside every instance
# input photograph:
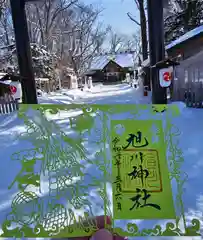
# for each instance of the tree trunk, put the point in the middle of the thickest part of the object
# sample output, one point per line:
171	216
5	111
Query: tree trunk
143	23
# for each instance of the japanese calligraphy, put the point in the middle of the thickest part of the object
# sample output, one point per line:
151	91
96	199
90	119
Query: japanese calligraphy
118	159
136	141
141	184
142	170
118	184
118	181
139	172
140	200
115	147
140	154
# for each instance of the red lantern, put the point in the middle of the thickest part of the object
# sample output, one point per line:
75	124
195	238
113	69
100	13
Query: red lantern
167	76
13	89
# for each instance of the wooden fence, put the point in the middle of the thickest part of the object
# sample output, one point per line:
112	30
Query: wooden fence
188	86
8	107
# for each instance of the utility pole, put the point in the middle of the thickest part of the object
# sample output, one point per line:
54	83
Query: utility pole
23	51
156	47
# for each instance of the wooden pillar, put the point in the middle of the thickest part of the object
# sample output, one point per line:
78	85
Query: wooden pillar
23	51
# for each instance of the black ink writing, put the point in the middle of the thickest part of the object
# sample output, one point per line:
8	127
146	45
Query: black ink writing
118	184
118	196
119	207
115	140
136	141
115	147
140	154
139	173
140	200
117	159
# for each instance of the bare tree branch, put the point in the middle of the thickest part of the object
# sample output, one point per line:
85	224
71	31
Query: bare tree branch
86	37
133	19
137	4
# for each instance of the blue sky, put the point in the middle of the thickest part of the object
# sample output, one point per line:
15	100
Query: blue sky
115	14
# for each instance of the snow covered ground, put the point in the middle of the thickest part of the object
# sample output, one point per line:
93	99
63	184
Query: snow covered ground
190	123
113	94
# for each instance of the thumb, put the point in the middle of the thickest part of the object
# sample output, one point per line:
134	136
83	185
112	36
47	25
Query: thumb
102	234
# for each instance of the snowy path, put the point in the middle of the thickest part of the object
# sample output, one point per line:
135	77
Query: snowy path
190	124
115	94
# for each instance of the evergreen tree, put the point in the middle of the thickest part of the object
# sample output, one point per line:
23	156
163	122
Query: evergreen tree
184	16
44	63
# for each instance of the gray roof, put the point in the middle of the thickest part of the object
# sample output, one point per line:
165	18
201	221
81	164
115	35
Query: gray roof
122	59
185	37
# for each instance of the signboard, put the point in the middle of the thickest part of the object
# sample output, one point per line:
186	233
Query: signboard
141	185
165	76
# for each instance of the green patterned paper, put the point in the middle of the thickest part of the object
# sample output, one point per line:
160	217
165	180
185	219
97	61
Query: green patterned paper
141	188
63	162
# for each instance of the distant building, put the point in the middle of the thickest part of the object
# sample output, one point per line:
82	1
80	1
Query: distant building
111	68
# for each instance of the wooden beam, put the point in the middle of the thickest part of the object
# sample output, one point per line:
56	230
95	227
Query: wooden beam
165	4
23	51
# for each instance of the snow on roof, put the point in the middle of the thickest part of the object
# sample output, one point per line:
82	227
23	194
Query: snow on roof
185	37
122	59
99	62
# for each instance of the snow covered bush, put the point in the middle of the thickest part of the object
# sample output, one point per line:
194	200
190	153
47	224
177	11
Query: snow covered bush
44	62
